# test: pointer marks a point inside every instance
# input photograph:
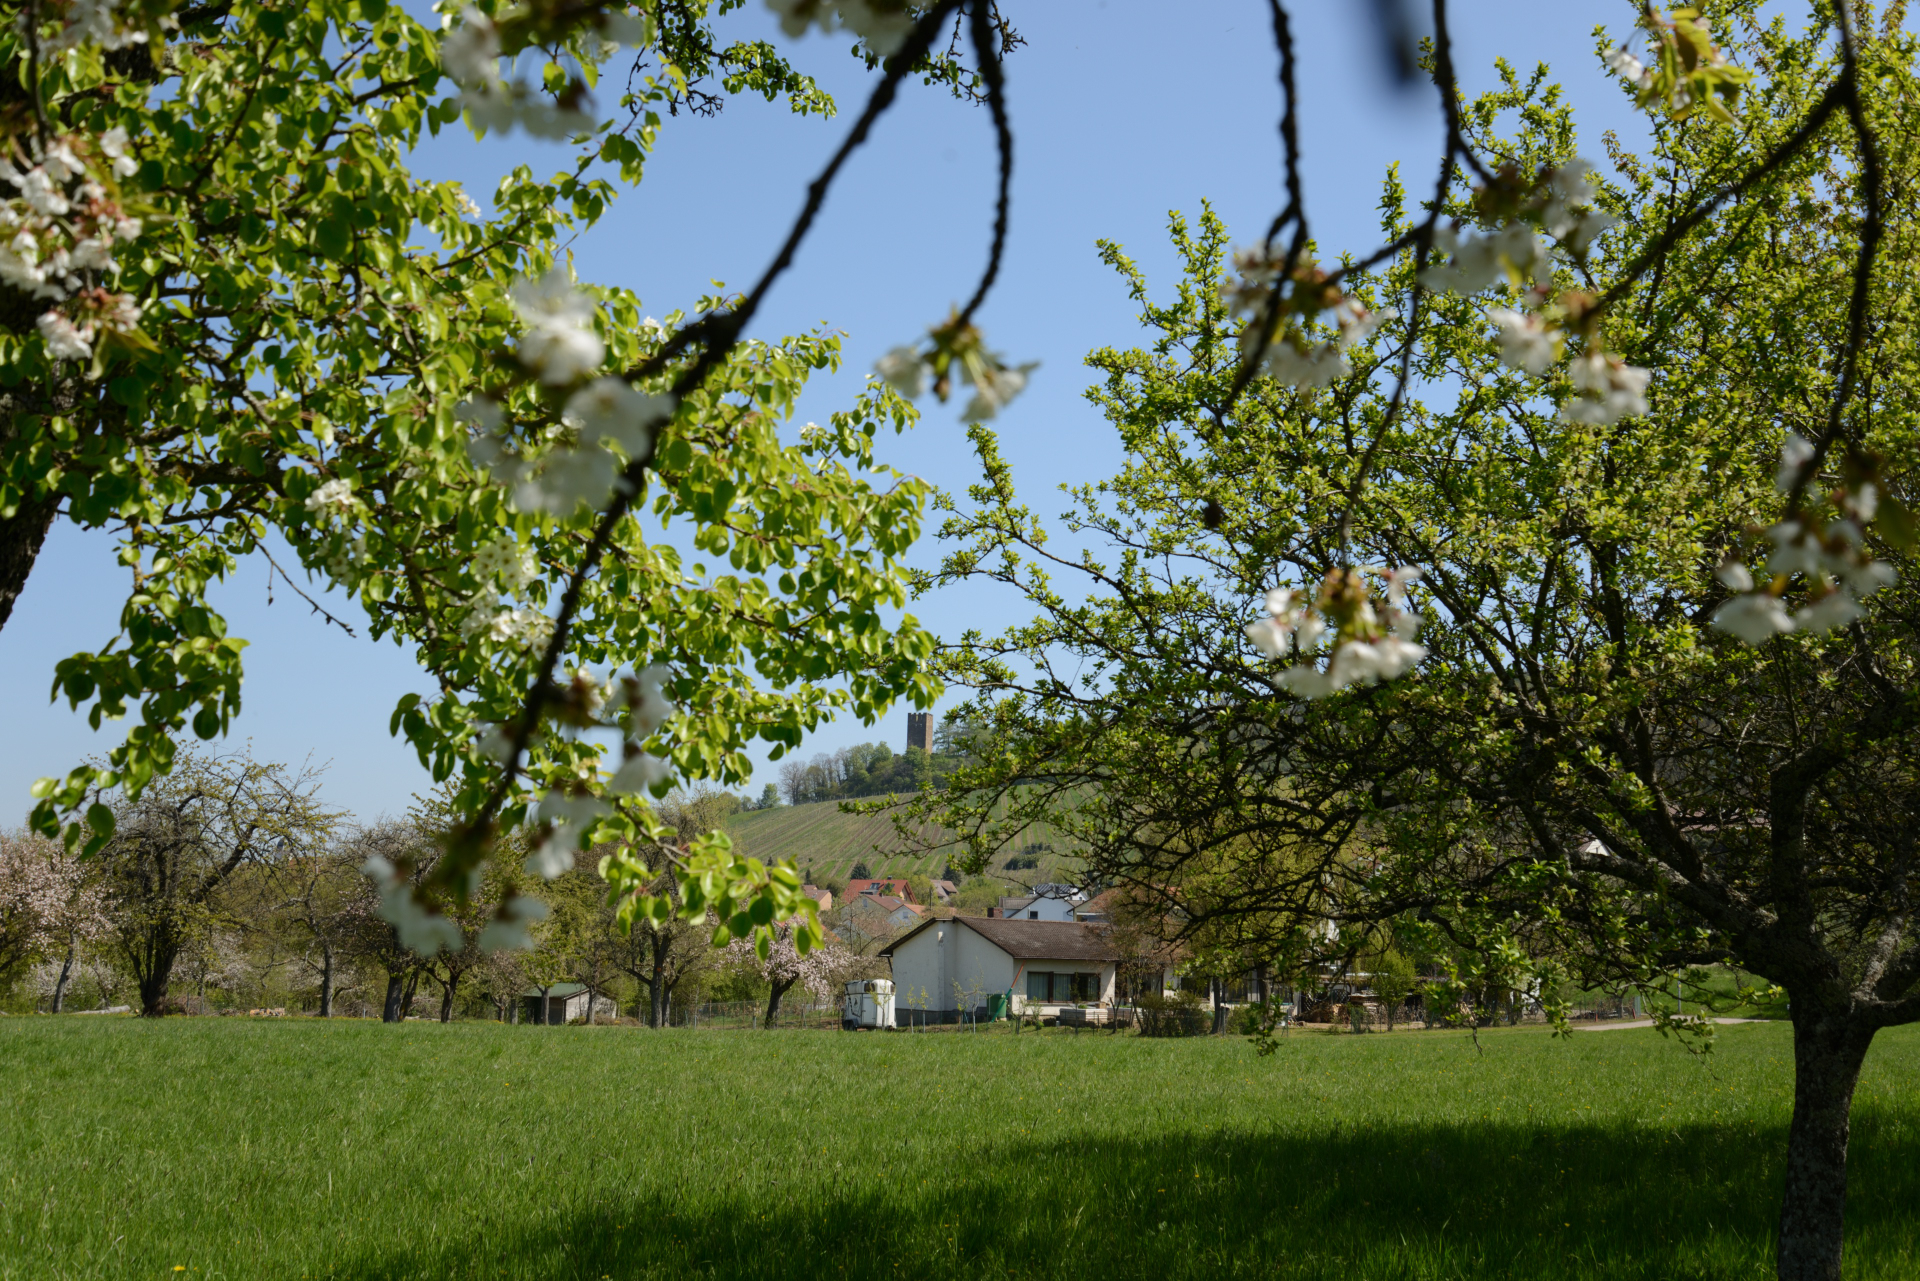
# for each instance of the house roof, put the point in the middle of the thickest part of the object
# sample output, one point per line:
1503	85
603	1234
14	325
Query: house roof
1031	940
558	989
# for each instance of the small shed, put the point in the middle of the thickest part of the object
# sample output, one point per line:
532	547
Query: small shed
949	967
565	1002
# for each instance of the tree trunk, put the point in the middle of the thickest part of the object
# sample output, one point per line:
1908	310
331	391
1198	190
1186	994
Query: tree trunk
153	985
657	989
406	999
1827	1053
66	972
21	535
446	997
390	1012
326	980
774	993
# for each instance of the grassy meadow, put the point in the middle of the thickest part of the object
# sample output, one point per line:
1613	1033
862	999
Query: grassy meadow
297	1149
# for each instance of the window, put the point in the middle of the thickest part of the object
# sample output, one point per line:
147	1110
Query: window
1033	916
1060	986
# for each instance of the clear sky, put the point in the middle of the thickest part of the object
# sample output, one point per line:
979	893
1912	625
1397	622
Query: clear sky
1123	111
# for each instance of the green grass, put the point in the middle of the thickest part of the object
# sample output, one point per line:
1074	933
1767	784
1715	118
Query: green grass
238	1149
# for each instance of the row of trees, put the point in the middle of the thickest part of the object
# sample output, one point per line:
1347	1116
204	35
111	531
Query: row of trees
874	769
231	879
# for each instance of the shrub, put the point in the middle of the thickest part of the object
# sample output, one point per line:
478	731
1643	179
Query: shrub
1180	1014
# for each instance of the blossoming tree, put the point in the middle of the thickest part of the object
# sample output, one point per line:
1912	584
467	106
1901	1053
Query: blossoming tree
228	309
1648	702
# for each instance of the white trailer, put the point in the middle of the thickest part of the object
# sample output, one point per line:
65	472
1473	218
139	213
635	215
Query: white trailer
868	1004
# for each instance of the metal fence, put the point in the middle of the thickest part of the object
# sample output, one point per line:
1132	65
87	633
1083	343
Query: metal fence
804	1013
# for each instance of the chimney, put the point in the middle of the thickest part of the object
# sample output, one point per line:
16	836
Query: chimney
993	911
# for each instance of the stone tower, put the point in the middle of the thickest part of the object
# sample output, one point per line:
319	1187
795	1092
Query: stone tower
920	730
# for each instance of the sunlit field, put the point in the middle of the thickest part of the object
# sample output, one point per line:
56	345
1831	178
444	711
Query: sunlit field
295	1148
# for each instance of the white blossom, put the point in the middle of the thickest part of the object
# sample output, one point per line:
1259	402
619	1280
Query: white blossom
1795	454
64	339
994	388
610	409
504	560
483	413
1795	550
470	50
1754	618
1836	608
902	370
1734	576
1611	389
1270	636
1525	342
510	930
524	628
567	819
1625	65
1398	581
563	479
639	773
113	145
1288	362
336	496
560	343
419	929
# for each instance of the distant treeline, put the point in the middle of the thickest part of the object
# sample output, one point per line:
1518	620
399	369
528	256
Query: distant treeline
873	769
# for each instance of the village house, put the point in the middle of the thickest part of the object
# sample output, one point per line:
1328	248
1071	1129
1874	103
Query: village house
1047	903
823	897
961	962
897	888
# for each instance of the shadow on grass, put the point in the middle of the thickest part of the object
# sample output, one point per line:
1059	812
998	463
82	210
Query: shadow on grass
1414	1203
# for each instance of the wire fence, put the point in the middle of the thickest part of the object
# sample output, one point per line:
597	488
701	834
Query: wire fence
804	1013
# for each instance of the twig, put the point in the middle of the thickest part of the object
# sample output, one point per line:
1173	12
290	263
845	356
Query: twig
1003	138
273	567
720	333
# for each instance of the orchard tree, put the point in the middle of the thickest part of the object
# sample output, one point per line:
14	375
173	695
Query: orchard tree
659	955
50	906
231	315
1536	591
784	966
175	850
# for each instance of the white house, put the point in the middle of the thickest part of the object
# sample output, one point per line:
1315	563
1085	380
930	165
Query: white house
1046	903
960	962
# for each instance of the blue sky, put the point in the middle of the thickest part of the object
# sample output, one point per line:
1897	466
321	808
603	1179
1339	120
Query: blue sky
1123	111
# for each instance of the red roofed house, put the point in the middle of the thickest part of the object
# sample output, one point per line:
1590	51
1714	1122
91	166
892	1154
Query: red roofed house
897	888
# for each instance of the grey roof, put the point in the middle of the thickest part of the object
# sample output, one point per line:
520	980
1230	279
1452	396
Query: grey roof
1032	940
558	989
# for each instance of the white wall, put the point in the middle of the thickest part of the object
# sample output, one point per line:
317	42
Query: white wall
941	955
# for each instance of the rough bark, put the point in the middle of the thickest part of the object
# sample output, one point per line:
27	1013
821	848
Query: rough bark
326	980
1827	1052
21	536
390	1012
66	973
155	975
774	994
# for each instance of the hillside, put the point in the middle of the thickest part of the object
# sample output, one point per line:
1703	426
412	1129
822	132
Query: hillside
825	843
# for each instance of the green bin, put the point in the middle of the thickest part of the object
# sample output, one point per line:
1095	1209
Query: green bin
997	1006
